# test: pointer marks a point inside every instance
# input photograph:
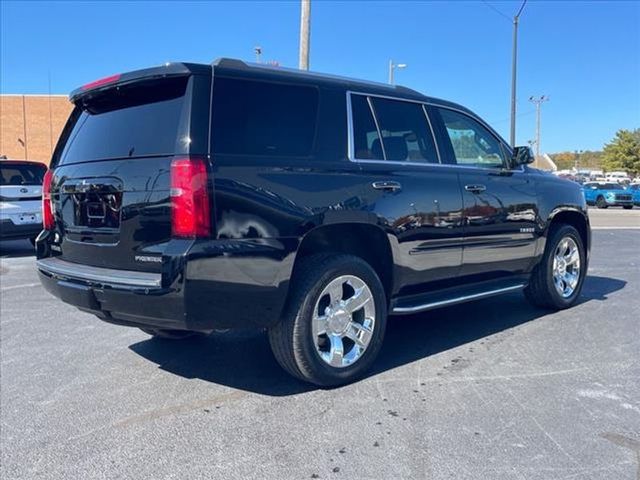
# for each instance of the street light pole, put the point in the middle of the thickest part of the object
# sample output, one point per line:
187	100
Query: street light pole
305	34
538	101
392	67
514	65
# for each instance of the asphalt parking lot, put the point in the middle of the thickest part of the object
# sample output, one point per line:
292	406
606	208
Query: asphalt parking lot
494	389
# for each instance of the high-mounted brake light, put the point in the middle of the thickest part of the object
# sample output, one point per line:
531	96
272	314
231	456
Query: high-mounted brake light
190	211
101	82
48	222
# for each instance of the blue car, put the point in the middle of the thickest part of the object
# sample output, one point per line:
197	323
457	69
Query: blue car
635	192
604	195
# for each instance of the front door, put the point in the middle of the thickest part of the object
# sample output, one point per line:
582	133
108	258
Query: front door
500	208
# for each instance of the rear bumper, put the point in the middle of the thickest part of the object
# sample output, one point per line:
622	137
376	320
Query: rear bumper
11	231
208	286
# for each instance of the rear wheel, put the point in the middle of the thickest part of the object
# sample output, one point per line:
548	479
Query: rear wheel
601	202
334	322
627	207
169	334
557	280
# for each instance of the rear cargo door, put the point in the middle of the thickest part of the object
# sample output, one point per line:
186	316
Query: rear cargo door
112	170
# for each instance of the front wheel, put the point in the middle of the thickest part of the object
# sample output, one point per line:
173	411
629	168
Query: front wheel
601	203
334	321
627	207
557	280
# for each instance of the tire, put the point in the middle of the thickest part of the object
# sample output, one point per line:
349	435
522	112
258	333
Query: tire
627	207
169	334
294	340
601	203
542	290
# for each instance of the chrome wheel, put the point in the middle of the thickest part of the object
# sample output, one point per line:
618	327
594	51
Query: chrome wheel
566	267
344	318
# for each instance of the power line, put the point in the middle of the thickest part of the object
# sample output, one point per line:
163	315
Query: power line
497	10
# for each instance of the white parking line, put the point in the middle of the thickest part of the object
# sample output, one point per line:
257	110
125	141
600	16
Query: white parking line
15	287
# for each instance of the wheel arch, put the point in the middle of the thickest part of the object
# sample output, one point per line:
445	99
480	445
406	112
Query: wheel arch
363	240
574	217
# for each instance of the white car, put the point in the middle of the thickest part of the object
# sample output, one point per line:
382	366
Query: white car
20	199
617	177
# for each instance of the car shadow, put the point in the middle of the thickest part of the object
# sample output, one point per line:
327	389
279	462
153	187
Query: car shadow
243	359
16	249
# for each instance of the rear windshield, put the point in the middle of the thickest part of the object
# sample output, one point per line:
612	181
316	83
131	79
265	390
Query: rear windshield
134	121
21	174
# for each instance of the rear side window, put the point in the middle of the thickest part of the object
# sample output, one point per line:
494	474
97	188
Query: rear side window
139	120
21	174
405	132
260	118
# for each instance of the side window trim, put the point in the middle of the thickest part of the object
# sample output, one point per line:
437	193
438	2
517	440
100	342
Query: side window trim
375	120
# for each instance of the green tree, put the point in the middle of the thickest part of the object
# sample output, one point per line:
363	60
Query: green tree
623	152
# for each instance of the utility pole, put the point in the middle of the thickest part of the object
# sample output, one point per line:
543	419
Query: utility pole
514	64
305	34
392	67
538	101
258	51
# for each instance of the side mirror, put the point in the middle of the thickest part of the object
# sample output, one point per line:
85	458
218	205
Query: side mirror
522	156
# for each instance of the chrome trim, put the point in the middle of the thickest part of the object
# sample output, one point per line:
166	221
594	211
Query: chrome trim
61	268
451	301
350	145
375	120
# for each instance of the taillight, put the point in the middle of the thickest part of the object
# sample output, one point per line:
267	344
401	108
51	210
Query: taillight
48	221
102	82
190	213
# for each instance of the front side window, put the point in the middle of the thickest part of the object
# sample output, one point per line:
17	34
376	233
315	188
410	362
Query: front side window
261	118
472	144
406	135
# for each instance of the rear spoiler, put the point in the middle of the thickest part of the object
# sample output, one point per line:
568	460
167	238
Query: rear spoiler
164	71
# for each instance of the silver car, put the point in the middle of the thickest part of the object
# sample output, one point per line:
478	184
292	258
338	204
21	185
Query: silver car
20	199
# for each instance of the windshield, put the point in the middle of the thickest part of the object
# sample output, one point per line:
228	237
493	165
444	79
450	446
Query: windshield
22	174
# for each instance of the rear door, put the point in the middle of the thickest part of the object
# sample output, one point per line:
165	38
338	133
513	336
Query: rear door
500	205
416	198
112	169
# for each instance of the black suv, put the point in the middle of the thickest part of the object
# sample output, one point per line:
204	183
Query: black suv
188	198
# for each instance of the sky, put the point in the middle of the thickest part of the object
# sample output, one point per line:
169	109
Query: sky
585	56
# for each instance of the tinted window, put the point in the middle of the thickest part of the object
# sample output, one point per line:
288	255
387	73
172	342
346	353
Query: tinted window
134	121
365	133
21	174
472	143
405	132
257	118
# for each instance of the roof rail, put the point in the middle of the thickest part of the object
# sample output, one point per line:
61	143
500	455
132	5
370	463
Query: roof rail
240	64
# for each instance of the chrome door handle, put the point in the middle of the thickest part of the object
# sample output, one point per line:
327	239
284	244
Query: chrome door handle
387	185
477	188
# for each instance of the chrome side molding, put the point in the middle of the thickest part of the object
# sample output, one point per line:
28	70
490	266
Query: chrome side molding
454	300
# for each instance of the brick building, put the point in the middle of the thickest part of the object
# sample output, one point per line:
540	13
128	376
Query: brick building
31	124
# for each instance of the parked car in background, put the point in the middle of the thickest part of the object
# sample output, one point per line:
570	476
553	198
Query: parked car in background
20	199
187	198
604	195
617	177
634	188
